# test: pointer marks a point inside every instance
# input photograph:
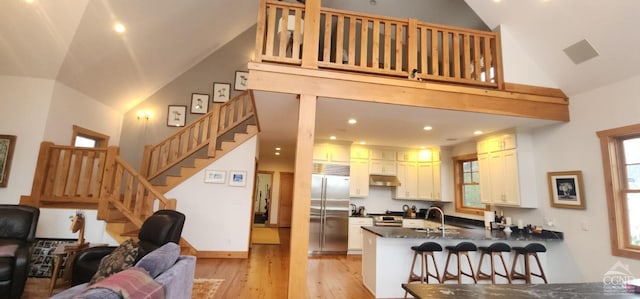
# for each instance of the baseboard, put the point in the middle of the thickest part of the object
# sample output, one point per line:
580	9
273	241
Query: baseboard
223	254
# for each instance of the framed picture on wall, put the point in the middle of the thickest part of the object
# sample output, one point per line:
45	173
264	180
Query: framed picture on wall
221	92
565	189
242	81
199	103
7	145
176	115
215	176
237	178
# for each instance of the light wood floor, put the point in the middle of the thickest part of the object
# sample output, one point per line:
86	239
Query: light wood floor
265	273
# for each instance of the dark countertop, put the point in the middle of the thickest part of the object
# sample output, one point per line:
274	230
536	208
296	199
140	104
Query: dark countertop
462	234
515	291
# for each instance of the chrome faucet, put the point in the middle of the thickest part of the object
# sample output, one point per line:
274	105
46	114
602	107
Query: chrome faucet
441	217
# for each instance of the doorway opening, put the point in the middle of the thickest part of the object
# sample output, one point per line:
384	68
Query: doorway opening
262	205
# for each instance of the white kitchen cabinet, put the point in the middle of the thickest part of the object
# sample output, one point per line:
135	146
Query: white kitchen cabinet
429	181
331	153
408	176
497	143
382	154
359	174
382	167
506	176
407	156
413	223
359	152
355	232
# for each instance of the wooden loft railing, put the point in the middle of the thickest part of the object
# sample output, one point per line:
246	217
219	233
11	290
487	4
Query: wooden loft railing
204	132
76	177
379	45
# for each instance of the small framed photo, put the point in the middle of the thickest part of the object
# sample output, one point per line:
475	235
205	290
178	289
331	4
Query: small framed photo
237	178
565	189
242	81
199	103
221	92
177	115
215	176
7	145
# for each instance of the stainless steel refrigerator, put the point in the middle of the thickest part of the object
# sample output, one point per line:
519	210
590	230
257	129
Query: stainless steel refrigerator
329	227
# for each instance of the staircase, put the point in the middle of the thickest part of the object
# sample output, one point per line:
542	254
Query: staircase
97	178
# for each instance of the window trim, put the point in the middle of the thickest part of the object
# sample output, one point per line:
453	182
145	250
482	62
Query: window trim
102	140
611	150
457	185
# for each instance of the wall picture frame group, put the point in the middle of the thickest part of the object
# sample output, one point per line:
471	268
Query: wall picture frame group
221	92
199	103
237	178
242	80
566	189
7	146
176	115
215	176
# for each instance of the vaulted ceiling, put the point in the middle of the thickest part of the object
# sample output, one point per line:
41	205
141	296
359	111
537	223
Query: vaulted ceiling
72	41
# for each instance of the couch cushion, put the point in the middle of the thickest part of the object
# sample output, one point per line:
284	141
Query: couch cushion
160	259
15	223
97	293
121	258
6	268
8	250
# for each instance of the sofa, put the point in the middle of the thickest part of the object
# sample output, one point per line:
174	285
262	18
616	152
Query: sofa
171	272
17	234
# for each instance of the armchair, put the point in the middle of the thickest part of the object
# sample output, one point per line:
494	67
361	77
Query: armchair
17	233
160	228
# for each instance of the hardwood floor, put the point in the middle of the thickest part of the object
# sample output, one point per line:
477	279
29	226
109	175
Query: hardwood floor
265	274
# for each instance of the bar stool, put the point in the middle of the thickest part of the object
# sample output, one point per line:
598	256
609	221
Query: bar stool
493	250
425	249
526	252
459	250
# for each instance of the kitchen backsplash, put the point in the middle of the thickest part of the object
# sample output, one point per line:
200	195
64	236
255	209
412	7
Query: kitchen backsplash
380	200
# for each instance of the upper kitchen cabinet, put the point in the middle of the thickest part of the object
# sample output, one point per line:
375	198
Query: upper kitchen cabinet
359	152
382	154
429	183
408	176
331	153
359	174
408	156
507	171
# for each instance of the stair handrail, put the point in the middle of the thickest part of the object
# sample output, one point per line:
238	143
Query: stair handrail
129	192
161	157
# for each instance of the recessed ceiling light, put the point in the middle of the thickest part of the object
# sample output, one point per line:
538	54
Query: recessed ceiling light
277	153
428	128
119	27
363	142
332	137
478	132
277	148
352	121
29	1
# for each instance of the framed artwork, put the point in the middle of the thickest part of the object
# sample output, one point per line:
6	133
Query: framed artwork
215	176
242	80
199	103
237	178
7	145
177	115
565	189
221	92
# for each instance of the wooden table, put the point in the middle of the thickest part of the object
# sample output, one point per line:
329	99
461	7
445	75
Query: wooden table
62	251
514	291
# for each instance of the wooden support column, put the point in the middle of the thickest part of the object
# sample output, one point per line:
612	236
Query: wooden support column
302	198
311	34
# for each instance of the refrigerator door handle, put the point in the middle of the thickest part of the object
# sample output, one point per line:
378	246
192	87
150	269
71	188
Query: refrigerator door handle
323	205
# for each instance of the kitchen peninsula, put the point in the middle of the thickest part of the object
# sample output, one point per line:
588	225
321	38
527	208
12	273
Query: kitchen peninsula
387	254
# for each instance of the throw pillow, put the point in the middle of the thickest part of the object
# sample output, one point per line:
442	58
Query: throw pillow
160	260
121	258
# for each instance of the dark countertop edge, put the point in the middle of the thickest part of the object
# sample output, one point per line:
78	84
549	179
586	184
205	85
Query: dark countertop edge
465	234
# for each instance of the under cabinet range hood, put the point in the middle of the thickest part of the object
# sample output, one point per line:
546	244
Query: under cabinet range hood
384	180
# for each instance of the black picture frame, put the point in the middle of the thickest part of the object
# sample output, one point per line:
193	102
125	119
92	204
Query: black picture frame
242	81
176	115
199	103
221	92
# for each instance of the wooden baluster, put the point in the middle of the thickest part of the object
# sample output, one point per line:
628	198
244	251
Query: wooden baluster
364	37
387	46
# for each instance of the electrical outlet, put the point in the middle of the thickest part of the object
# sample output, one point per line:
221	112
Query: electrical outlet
584	225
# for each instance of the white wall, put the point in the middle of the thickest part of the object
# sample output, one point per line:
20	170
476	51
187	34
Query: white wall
70	107
219	217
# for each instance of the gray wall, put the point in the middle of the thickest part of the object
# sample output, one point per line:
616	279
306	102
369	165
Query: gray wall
220	66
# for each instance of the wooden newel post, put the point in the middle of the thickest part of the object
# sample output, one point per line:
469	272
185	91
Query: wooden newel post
41	172
107	182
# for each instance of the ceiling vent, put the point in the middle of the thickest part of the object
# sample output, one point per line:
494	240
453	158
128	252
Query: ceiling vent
581	52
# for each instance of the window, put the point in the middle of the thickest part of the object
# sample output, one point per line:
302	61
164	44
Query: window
621	163
86	138
467	185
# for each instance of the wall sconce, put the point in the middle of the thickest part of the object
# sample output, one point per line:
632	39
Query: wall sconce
142	114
